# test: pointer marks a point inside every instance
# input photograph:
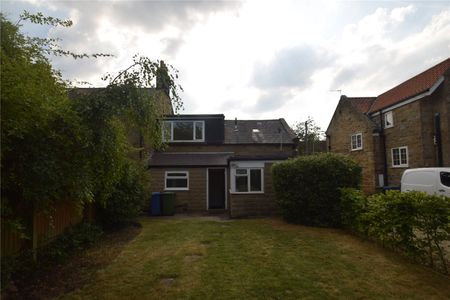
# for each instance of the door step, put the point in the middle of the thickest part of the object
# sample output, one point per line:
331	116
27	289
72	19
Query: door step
217	211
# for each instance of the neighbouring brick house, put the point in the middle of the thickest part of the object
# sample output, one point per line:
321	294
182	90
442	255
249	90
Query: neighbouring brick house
406	127
218	165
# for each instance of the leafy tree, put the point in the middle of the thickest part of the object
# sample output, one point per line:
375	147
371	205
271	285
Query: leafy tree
55	148
309	134
39	130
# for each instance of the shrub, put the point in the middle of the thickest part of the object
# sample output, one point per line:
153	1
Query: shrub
126	201
75	238
307	188
413	223
353	205
390	219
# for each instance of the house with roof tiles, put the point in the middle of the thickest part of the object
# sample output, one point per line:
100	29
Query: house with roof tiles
407	126
217	165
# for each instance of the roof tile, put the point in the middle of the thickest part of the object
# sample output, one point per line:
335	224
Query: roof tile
258	132
411	87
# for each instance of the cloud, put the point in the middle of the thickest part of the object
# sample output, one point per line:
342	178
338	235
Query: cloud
123	28
172	45
291	67
376	54
138	18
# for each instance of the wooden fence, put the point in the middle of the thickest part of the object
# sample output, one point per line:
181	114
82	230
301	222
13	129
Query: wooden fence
45	227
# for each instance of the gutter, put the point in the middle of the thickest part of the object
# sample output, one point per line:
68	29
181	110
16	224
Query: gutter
411	99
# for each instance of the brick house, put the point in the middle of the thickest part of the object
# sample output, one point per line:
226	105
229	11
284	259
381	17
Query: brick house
218	165
406	127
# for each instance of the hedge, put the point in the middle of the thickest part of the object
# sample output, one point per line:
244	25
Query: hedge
307	187
413	223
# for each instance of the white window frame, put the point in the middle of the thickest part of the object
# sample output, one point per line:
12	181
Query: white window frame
351	142
387	115
248	165
400	165
186	176
194	140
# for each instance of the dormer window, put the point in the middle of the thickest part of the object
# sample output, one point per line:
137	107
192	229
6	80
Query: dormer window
388	120
184	131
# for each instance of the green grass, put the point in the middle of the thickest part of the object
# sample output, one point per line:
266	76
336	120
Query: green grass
196	258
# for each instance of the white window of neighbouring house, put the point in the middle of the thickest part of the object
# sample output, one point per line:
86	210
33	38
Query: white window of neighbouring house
248	180
356	141
184	131
177	181
247	177
399	156
388	120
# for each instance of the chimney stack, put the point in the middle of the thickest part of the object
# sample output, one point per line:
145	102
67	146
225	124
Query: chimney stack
163	79
235	124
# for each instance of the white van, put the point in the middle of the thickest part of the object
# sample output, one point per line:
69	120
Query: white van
428	180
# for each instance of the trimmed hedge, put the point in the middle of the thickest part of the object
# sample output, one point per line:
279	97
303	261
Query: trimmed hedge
413	223
307	187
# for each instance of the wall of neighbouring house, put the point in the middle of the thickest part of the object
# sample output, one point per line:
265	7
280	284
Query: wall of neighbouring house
142	148
193	200
238	149
347	121
439	102
407	131
243	205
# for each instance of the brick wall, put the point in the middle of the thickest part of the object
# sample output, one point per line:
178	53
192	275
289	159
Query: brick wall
439	102
193	200
347	121
407	131
243	205
271	149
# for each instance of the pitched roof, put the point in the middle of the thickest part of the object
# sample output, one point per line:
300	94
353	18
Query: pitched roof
182	159
258	132
411	87
362	104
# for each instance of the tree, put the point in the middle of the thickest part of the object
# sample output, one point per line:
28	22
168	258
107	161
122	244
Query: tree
58	149
309	135
39	130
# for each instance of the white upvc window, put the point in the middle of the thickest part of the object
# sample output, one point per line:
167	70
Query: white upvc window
356	141
176	181
183	131
388	120
399	157
247	178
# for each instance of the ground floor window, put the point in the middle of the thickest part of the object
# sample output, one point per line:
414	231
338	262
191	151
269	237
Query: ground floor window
177	181
399	156
248	180
247	177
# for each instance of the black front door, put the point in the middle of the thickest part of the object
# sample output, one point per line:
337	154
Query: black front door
216	188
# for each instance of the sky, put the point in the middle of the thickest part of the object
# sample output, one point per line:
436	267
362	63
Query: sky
254	59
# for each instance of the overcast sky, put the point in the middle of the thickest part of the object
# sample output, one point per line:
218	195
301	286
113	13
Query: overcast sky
255	59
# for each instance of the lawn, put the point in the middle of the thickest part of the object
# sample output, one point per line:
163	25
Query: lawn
206	258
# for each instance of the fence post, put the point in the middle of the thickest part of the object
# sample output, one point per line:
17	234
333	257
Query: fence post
34	233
